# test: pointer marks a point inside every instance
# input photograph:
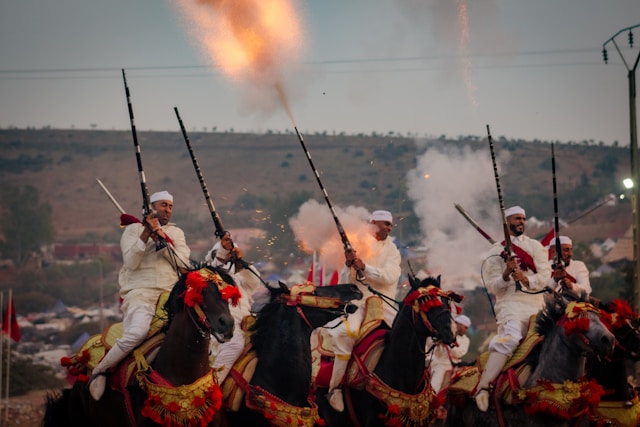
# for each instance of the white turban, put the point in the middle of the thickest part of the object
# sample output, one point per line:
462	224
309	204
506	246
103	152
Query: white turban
513	210
161	195
381	216
564	240
463	320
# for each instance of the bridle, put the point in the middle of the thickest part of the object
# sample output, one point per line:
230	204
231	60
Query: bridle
303	295
196	284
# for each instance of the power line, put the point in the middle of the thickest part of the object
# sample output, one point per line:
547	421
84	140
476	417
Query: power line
322	62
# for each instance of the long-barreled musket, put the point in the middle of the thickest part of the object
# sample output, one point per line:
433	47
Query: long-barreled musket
343	236
505	226
146	200
486	236
474	223
556	222
217	222
125	218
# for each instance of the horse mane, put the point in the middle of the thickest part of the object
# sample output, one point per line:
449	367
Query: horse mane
553	310
175	302
434	281
269	319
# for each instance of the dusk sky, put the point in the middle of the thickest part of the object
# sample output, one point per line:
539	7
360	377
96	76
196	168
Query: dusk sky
530	69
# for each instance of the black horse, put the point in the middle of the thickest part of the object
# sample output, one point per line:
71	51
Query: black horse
278	391
396	391
555	393
178	387
620	404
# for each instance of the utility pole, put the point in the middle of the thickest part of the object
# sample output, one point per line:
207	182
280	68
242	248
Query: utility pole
635	191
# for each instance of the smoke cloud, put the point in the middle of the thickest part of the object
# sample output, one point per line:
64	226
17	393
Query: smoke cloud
442	178
315	228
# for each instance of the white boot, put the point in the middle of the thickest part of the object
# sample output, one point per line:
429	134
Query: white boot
335	392
495	363
98	378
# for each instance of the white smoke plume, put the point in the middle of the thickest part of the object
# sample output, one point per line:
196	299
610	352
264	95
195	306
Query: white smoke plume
442	178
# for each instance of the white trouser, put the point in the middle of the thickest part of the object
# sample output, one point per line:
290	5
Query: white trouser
508	337
228	353
135	326
438	372
345	334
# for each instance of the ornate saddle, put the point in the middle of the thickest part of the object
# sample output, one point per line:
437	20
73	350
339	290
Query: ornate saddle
368	347
80	365
464	380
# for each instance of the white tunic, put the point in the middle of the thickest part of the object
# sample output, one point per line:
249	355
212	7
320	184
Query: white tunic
578	270
145	273
512	305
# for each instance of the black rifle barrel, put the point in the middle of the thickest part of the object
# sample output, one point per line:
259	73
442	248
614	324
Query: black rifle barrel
556	222
343	235
146	199
217	222
505	226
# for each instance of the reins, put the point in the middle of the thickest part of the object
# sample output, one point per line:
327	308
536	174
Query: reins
202	319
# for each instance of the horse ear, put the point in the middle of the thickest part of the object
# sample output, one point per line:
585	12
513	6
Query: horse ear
283	286
413	281
438	280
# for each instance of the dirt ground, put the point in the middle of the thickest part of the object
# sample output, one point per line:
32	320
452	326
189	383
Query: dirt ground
24	411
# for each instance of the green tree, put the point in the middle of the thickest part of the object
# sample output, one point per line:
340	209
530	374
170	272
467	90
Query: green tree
27	224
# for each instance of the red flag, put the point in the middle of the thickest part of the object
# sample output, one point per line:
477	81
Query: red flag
334	278
14	332
310	275
548	237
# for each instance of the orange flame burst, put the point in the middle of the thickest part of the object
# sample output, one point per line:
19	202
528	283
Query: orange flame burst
315	230
250	41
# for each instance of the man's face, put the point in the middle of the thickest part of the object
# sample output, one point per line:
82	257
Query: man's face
566	252
461	329
516	224
383	229
226	241
164	208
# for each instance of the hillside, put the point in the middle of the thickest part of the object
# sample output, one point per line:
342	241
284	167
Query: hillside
242	168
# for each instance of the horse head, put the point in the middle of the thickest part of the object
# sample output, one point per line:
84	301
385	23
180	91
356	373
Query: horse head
317	305
582	324
624	323
204	295
433	306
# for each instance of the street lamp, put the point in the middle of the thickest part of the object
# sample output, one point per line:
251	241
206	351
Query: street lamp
635	190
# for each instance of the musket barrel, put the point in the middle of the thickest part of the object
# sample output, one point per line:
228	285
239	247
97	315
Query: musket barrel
507	237
471	221
212	209
110	196
343	235
556	222
146	199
